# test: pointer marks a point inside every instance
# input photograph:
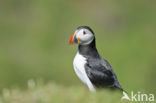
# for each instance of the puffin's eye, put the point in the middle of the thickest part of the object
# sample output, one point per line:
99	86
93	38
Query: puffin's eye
84	32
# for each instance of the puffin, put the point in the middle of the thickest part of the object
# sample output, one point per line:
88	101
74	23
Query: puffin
93	70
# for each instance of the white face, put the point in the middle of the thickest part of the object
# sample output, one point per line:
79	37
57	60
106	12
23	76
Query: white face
84	36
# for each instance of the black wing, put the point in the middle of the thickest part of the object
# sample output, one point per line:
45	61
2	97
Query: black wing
101	74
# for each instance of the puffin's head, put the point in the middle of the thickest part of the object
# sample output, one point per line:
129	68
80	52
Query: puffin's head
83	35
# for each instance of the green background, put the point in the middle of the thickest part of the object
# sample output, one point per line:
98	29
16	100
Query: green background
34	38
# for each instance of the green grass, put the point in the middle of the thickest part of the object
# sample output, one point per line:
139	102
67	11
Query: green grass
55	93
34	38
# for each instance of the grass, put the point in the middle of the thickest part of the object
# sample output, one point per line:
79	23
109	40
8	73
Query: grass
34	44
34	38
55	93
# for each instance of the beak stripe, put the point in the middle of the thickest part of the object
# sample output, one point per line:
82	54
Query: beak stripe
71	39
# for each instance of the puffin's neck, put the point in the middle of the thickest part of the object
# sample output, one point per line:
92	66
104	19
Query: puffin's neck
89	50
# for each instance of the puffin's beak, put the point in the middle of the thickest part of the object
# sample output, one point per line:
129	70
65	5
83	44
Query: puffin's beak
73	39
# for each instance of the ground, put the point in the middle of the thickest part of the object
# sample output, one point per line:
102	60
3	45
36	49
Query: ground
56	93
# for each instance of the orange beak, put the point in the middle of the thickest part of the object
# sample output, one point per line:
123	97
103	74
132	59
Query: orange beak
71	40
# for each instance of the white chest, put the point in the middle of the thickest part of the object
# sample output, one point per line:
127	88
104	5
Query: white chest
79	63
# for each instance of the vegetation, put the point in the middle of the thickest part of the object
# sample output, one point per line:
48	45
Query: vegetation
54	93
34	38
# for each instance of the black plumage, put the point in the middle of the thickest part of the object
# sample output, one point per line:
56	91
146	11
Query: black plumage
98	69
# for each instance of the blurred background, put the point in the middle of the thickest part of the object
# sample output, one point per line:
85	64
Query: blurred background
34	38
